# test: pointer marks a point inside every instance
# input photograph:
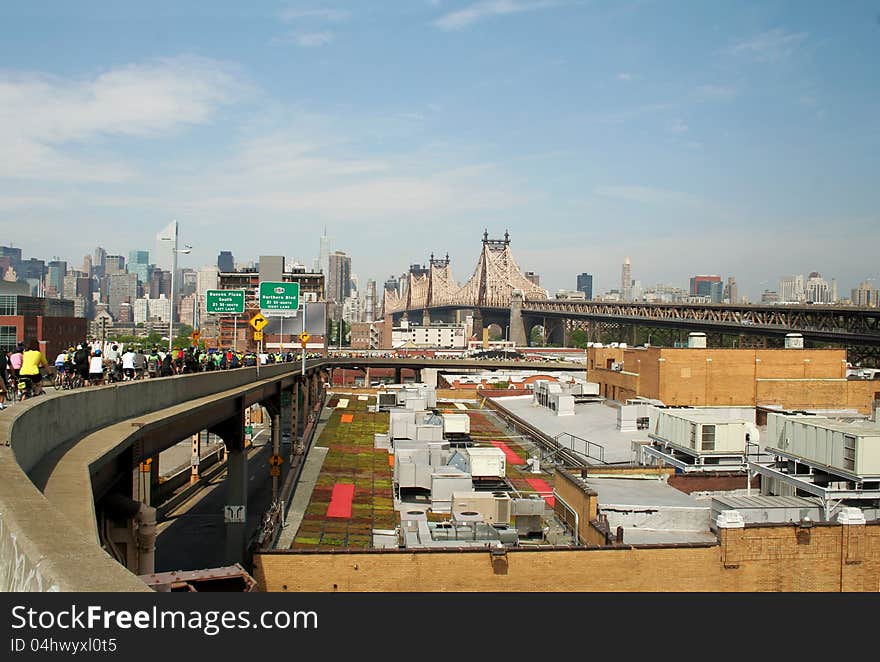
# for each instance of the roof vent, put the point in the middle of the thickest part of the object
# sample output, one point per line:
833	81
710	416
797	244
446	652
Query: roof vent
850	515
730	519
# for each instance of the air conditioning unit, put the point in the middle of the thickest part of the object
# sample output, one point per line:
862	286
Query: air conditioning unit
617	367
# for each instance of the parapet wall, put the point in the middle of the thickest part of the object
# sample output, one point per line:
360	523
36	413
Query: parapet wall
39	549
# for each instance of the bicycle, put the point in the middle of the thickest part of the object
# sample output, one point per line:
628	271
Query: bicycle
60	381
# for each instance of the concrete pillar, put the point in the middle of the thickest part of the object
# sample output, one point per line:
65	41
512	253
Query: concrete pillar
517	328
429	376
418	376
478	323
235	504
276	450
634	337
398	376
426	318
367	377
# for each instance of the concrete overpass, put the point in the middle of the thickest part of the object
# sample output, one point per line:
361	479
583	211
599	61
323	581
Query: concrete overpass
70	463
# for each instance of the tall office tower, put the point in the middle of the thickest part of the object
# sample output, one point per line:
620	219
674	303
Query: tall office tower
791	288
731	291
865	295
324	254
114	264
225	262
370	301
87	265
626	281
533	277
122	289
817	289
166	241
716	291
585	285
55	278
139	263
339	288
100	262
834	297
208	278
701	285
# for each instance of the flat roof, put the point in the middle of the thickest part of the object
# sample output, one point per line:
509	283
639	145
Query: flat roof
764	502
640	492
595	422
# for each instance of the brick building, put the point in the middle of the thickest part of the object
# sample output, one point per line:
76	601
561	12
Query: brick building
791	378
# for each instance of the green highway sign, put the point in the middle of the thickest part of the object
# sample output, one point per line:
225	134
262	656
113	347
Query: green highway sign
276	298
224	301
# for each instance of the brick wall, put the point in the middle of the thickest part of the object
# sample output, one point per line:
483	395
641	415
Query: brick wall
830	557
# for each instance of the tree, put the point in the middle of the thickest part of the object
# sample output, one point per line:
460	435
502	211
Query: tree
579	338
536	337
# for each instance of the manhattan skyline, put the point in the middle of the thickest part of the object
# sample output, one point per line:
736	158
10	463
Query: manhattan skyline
732	140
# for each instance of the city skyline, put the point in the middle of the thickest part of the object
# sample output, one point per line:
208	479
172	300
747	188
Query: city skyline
736	141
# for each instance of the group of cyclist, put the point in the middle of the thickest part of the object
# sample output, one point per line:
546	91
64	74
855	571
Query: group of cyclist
86	364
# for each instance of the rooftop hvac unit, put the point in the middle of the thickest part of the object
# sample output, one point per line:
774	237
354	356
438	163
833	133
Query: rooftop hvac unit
616	367
794	341
697	340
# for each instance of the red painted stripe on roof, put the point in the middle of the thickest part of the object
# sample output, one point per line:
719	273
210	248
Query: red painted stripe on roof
512	458
543	488
346	418
340	500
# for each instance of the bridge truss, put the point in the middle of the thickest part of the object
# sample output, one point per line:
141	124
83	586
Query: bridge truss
491	284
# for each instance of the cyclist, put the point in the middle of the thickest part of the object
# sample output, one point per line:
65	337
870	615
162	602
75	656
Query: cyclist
96	369
153	362
32	361
140	363
128	365
4	363
81	362
15	360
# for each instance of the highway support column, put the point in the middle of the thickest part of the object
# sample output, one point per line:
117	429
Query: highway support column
231	431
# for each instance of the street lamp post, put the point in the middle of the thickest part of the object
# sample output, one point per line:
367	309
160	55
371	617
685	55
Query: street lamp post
174	251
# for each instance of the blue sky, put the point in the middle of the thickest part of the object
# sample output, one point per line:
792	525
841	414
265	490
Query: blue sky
693	137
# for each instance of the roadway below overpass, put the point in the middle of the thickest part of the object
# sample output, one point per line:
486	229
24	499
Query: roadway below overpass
86	447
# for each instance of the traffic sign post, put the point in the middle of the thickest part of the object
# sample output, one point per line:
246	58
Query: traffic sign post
258	322
226	302
258	335
277	298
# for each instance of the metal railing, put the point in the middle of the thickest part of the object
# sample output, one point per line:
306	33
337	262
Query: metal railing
591	450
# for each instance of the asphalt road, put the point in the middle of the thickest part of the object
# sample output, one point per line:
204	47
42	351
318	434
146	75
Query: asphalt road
193	536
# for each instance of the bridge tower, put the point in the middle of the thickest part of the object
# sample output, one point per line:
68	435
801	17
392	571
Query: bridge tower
517	327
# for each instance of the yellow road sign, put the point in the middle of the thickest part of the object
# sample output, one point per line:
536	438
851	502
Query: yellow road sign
304	338
276	460
258	322
258	335
274	471
196	335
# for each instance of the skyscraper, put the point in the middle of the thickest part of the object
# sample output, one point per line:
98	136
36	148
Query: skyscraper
585	285
731	291
339	287
370	301
139	264
701	285
55	278
626	281
100	262
791	288
322	263
225	262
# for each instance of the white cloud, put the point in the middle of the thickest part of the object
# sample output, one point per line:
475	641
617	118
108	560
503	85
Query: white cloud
679	127
771	46
648	195
312	39
329	15
43	119
624	76
715	92
463	18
